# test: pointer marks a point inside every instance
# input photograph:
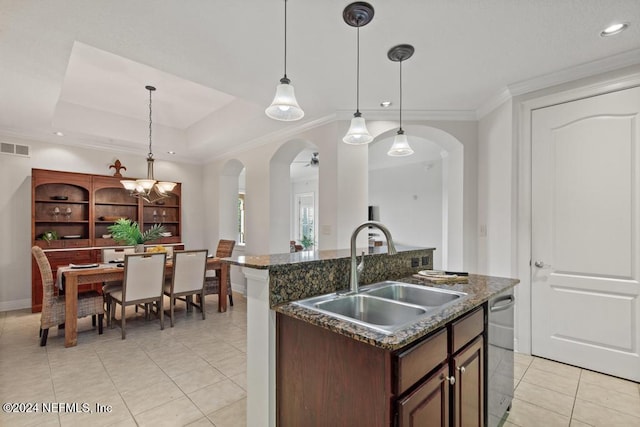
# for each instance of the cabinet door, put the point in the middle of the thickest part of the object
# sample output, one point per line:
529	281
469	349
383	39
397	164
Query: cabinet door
468	402
428	405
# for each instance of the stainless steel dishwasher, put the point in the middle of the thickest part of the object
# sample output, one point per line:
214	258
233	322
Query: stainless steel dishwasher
500	356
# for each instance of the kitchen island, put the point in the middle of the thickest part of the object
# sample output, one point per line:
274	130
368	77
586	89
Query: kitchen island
274	281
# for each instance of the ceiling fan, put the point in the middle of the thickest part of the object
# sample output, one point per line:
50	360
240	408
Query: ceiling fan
313	162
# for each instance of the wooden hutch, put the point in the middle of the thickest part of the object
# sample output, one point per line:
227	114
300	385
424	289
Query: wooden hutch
78	208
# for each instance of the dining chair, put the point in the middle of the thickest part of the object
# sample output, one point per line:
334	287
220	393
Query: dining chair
110	255
53	307
189	268
143	284
211	283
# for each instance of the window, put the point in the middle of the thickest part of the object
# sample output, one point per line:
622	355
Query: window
241	222
305	220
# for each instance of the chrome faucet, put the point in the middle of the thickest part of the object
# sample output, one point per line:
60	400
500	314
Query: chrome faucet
355	268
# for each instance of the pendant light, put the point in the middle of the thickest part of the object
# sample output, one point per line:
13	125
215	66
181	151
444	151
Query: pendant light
358	15
284	106
149	189
400	146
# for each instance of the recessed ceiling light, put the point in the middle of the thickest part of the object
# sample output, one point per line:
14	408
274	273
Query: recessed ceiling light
58	133
171	152
614	29
385	104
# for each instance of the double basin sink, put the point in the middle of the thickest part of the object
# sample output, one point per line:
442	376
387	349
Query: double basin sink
386	306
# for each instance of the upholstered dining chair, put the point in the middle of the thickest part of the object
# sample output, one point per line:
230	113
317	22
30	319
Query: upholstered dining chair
189	268
53	307
143	284
211	283
110	255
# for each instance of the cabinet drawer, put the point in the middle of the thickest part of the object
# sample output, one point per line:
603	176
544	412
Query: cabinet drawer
417	361
466	329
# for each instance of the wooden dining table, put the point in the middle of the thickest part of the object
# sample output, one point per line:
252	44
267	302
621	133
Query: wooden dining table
108	273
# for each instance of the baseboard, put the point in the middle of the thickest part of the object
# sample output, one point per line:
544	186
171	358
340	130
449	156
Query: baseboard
15	304
239	288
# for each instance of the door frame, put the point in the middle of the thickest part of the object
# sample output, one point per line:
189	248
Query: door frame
523	105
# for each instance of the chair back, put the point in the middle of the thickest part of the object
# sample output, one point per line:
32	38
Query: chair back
112	254
143	276
45	274
225	248
189	268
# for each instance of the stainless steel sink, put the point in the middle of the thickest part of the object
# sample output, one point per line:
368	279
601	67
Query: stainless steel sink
413	294
377	311
386	306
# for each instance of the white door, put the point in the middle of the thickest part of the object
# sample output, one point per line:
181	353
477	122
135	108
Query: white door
586	233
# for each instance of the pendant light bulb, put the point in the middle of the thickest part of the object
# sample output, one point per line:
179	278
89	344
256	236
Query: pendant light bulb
357	15
284	106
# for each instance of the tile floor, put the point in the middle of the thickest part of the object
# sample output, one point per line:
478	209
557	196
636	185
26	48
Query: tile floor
195	374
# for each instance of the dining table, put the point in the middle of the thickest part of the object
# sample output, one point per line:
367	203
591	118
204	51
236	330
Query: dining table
111	272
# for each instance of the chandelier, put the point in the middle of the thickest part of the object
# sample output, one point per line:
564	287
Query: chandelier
400	146
148	189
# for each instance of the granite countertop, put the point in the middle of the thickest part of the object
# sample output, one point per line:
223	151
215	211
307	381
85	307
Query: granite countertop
479	289
263	262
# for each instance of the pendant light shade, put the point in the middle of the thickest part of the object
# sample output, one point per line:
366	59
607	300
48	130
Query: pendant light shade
148	189
400	146
358	132
358	15
285	106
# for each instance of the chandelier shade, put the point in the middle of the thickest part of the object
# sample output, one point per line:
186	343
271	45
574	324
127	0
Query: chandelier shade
148	189
400	146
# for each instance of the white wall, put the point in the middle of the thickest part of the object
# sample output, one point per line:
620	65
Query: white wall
15	204
410	202
496	192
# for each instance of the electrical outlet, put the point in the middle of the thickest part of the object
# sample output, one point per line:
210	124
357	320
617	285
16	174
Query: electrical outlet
425	260
415	262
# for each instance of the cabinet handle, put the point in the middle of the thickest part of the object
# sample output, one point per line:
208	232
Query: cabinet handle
452	380
461	369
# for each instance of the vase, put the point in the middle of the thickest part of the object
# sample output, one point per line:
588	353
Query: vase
139	248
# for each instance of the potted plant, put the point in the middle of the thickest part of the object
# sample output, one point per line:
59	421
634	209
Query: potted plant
128	232
307	242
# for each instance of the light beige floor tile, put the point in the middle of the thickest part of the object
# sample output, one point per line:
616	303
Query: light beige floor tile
177	412
524	414
519	370
216	396
28	420
522	358
609	382
597	415
240	379
611	399
545	398
576	423
203	422
234	415
118	413
141	399
198	378
232	366
556	368
559	383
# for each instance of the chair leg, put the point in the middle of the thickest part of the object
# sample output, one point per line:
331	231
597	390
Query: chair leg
100	318
40	333
93	320
172	305
43	339
123	320
161	309
201	299
230	298
112	314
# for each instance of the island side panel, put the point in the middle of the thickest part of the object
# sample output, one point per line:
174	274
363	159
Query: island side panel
320	378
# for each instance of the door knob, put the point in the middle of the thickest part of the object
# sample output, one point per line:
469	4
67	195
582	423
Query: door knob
541	264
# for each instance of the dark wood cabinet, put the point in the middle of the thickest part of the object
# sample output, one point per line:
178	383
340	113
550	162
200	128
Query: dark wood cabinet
324	378
78	209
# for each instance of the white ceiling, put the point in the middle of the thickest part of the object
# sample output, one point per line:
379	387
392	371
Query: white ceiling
80	66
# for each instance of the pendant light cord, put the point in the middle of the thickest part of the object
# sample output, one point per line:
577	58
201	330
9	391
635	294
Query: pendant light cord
358	71
285	39
400	131
150	121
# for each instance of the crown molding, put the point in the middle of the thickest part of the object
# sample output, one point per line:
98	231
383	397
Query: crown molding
588	69
411	115
493	103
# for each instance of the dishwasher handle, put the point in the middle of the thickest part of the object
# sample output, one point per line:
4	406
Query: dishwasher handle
499	306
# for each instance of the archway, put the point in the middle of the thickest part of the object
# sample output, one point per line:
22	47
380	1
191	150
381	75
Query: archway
423	193
280	211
